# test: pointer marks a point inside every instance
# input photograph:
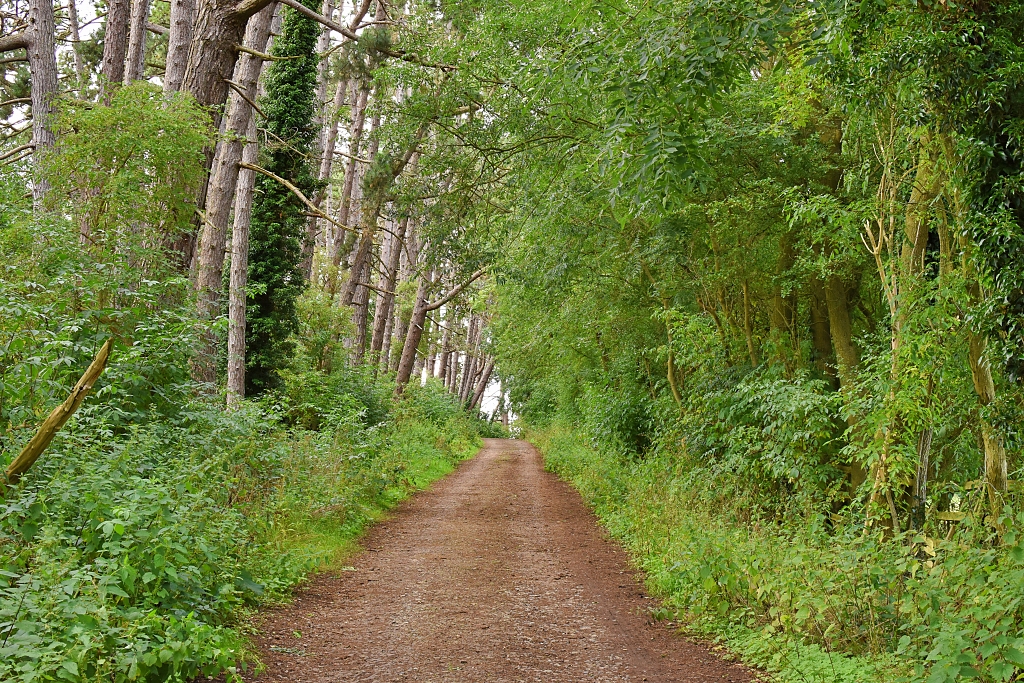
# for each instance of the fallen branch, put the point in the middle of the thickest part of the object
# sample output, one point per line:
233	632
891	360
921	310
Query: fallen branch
60	415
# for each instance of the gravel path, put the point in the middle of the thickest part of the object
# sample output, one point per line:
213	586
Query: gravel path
499	573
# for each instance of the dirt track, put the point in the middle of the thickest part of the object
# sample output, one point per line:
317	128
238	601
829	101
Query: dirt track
499	573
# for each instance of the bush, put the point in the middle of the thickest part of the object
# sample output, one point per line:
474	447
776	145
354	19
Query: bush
815	598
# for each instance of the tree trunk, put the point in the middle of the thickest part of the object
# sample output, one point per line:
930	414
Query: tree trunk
42	64
468	365
453	371
218	27
345	207
223	180
183	13
369	212
240	274
361	304
504	404
821	335
401	326
783	308
446	350
76	40
838	304
481	386
135	60
385	352
417	368
115	43
327	144
841	329
388	281
995	449
412	337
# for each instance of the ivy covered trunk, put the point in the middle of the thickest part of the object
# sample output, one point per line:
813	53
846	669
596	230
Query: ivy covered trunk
278	220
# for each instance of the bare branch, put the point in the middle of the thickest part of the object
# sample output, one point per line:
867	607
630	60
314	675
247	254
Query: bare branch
314	209
16	150
455	291
263	55
351	35
237	87
14	42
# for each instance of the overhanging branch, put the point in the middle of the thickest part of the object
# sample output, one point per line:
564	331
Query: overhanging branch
313	208
455	291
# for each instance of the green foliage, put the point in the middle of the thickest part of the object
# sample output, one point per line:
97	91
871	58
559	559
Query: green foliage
278	223
128	172
821	601
129	555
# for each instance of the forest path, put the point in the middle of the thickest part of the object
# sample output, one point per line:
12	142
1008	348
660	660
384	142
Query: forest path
499	573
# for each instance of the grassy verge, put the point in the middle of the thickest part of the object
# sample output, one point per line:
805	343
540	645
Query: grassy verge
807	598
136	553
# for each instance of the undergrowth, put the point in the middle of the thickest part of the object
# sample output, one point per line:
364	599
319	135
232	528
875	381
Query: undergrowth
809	597
134	554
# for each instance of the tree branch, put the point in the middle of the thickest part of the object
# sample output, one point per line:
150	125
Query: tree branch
314	209
351	35
237	87
14	42
16	150
263	55
455	292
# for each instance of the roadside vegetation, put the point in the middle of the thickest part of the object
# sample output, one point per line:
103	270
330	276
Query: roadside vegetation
751	272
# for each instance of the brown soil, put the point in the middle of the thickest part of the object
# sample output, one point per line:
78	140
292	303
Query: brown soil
499	573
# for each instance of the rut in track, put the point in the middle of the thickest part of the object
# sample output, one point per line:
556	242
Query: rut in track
499	573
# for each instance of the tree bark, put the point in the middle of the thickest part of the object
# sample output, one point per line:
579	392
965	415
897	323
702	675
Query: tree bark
481	386
417	368
240	274
385	353
76	40
218	27
361	313
42	64
329	139
56	419
345	206
115	43
135	60
223	180
783	307
468	365
183	14
412	337
995	450
748	328
386	299
821	335
369	211
446	351
841	329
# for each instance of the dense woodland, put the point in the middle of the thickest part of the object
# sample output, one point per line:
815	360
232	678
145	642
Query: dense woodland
749	273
